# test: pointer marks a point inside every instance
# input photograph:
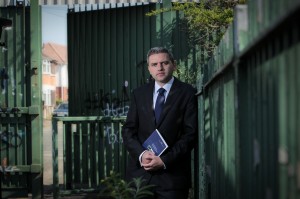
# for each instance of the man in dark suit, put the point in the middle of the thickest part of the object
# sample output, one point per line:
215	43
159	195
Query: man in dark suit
177	122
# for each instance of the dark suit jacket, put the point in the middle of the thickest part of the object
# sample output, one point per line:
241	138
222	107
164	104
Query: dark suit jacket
178	126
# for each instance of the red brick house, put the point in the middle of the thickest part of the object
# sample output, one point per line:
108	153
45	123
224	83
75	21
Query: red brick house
55	76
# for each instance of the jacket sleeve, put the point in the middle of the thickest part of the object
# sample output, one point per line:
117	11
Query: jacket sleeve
130	131
188	133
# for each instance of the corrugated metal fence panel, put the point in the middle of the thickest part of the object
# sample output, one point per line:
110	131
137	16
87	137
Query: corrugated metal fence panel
219	139
263	97
240	28
268	107
222	55
107	55
264	13
218	134
268	93
105	63
289	122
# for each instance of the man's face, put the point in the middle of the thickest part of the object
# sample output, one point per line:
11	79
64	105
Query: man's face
161	68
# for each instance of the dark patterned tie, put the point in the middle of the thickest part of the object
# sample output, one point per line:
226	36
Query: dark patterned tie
160	100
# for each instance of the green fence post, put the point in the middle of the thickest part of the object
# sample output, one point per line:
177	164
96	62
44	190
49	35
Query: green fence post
36	99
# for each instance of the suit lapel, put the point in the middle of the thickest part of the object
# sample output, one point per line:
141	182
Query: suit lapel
170	99
149	101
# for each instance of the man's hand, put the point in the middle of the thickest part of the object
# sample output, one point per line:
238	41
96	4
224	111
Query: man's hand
151	162
147	157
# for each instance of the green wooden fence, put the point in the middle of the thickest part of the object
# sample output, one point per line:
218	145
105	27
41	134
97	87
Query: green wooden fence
21	134
91	148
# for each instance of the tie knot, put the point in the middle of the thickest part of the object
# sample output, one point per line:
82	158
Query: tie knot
161	91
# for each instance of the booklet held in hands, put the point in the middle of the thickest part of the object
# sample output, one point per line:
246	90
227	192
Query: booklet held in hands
155	143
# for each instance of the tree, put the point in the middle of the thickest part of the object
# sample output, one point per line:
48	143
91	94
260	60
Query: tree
206	23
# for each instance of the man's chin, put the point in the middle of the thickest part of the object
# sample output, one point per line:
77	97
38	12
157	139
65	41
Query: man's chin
163	79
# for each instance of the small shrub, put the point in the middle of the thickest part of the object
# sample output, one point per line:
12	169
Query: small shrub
116	188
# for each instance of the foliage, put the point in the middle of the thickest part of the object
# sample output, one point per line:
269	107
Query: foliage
206	23
185	74
115	187
58	101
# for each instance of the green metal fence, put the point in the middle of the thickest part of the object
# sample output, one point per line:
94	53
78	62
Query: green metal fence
21	152
107	50
14	145
248	103
248	99
91	148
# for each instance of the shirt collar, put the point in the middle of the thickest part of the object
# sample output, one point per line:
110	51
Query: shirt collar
167	86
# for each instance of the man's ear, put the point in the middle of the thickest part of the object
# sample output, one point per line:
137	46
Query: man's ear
175	65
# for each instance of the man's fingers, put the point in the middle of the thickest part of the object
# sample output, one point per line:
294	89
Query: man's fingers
149	153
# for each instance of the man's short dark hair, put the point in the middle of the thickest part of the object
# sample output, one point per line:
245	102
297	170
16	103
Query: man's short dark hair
157	50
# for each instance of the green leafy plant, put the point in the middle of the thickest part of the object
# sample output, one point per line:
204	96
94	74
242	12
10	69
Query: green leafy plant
187	75
204	24
206	21
116	188
58	101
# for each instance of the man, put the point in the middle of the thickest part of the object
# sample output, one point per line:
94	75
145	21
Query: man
171	171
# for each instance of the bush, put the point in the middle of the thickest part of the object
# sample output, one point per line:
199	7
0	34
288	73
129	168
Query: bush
116	188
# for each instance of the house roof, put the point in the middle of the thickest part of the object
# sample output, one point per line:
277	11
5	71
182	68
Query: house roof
55	52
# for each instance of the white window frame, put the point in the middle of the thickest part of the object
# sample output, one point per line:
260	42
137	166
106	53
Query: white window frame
47	97
46	67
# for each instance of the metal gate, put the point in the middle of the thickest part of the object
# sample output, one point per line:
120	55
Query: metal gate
21	103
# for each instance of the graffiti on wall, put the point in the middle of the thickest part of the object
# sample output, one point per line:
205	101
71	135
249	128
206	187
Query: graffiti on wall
113	135
4	81
10	139
108	103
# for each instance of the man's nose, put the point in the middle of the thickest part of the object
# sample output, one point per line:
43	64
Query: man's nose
160	66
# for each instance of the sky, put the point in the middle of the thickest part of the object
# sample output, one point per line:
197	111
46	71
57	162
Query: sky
54	24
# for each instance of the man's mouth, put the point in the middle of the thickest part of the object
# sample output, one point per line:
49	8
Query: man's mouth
160	74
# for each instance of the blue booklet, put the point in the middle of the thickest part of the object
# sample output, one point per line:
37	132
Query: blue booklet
155	143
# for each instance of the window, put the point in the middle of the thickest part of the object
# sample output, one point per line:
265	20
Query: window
47	97
46	66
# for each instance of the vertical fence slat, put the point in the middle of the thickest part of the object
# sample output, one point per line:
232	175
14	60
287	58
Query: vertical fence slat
73	158
89	156
55	159
64	153
97	152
